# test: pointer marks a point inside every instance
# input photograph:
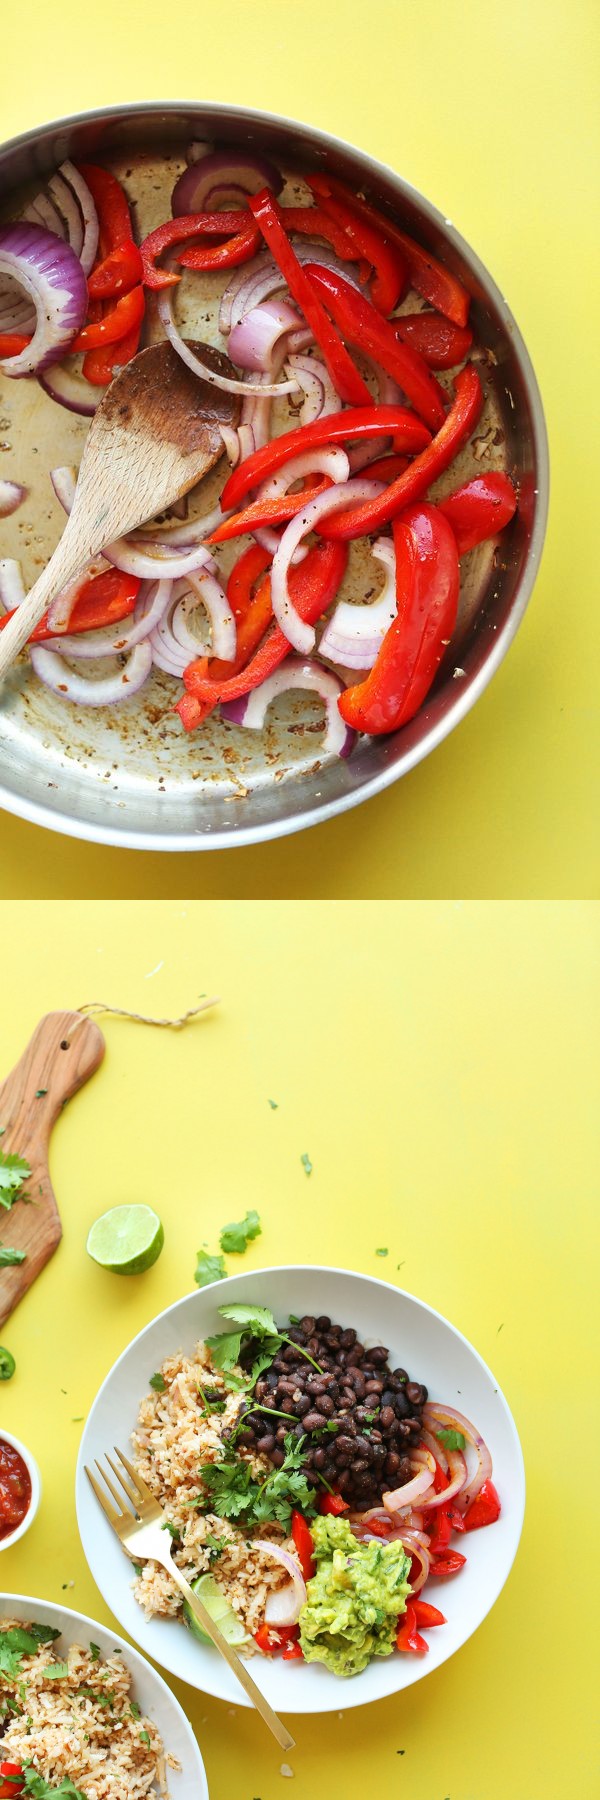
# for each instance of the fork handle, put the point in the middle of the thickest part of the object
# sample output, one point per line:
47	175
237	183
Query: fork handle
235	1662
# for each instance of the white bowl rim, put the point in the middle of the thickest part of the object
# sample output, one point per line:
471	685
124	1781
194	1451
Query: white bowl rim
131	1655
351	1694
8	1437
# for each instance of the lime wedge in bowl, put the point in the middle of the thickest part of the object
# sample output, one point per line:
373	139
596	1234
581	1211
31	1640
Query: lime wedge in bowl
127	1240
214	1600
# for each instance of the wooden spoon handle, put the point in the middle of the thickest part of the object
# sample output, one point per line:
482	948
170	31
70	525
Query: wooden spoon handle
64	1051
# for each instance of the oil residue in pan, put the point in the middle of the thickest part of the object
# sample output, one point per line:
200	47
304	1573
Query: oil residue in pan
121	761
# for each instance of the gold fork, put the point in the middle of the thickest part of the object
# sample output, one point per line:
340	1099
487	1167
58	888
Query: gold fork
140	1527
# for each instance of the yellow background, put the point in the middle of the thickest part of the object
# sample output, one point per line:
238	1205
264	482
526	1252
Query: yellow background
488	109
436	1063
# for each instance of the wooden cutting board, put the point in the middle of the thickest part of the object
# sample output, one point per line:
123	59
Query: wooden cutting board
64	1051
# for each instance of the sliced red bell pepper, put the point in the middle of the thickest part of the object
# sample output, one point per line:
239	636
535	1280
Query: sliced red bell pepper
313	585
334	1504
408	1638
441	343
484	1509
358	424
103	599
448	1563
430	278
12	343
426	1615
99	365
440	1479
304	1546
427	587
386	468
312	221
271	1639
387	261
345	376
116	324
441	1530
121	266
479	509
12	1778
379	1528
265	512
425	468
242	239
365	327
292	1653
121	270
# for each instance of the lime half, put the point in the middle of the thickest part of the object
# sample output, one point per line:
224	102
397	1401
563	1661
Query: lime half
217	1605
127	1240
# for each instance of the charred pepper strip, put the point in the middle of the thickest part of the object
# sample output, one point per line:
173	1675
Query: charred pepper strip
358	424
430	278
387	261
365	327
242	240
121	268
345	377
425	468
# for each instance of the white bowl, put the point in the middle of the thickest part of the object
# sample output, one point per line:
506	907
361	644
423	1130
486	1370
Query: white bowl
12	1537
149	1689
433	1352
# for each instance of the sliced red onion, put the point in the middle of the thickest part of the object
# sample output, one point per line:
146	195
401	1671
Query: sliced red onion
437	1450
252	342
89	216
320	396
162	565
411	1490
59	612
64	482
193	362
106	690
231	443
222	178
167	535
71	390
148	539
389	394
172	664
251	710
298	633
354	634
12	586
257	280
11	495
326	461
283	1607
112	640
42	211
208	590
52	275
457	1470
434	1413
62	195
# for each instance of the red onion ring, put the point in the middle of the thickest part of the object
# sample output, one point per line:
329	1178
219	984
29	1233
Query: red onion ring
257	280
284	1605
12	586
193	362
61	193
252	342
11	496
52	276
251	710
162	565
298	633
220	177
397	1498
208	590
106	690
354	634
42	211
89	216
434	1413
320	397
70	389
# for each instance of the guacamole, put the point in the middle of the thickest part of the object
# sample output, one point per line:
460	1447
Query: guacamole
354	1599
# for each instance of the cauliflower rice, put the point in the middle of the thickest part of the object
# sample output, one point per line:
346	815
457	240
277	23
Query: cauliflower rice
174	1436
83	1725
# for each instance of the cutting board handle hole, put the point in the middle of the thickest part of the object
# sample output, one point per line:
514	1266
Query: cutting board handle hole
65	1044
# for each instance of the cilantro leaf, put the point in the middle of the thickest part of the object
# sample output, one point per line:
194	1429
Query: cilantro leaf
256	1319
14	1172
144	1737
234	1239
235	1494
208	1269
225	1348
18	1642
158	1383
452	1440
8	1256
40	1789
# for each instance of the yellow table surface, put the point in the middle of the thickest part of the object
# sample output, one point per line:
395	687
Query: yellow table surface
436	1063
488	109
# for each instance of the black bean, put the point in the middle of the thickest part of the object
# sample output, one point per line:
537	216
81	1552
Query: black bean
314	1421
326	1406
405	1471
401	1405
303	1406
348	1339
348	1399
307	1325
344	1480
318	1457
323	1323
399	1375
354	1357
392	1463
387	1416
403	1428
281	1433
267	1444
387	1398
360	1467
333	1337
415	1393
316	1384
355	1380
246	1438
363	1446
345	1444
278	1457
378	1356
313	1347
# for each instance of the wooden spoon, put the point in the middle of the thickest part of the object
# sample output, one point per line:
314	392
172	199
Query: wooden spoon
154	435
64	1051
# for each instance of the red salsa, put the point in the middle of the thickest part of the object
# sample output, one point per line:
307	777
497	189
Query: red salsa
15	1488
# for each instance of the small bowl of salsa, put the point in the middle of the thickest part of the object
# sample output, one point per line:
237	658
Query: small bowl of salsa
20	1489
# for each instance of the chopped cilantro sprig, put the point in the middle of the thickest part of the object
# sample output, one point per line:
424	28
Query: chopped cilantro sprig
14	1172
235	1494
